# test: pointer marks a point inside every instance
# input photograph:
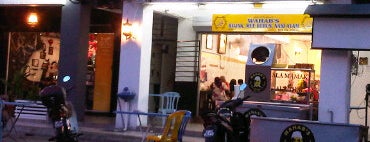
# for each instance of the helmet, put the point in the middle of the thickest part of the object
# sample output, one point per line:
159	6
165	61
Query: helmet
53	95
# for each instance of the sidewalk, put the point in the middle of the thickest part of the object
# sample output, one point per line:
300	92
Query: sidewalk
100	128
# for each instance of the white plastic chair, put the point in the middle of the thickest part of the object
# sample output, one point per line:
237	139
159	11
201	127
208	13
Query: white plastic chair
169	102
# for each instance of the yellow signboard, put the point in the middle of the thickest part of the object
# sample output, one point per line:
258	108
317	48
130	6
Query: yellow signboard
262	23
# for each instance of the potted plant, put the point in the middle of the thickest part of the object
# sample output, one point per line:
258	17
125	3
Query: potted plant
18	87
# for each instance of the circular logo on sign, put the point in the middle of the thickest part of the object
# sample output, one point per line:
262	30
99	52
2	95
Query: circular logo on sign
254	112
247	118
220	22
297	133
257	82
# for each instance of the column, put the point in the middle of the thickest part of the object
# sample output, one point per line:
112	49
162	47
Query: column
73	53
335	85
134	70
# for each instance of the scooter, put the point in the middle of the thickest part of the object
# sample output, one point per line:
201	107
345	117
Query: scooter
60	112
225	124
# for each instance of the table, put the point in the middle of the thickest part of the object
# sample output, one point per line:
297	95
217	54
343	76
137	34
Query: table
2	104
138	113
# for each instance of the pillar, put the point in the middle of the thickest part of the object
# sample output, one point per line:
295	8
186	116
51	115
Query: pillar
335	84
134	70
73	53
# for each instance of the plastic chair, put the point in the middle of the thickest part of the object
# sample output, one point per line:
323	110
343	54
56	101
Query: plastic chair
169	102
171	129
184	123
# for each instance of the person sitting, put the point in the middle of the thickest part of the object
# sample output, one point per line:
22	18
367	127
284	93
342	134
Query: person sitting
223	79
218	90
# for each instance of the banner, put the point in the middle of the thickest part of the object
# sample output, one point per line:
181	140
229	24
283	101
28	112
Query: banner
262	23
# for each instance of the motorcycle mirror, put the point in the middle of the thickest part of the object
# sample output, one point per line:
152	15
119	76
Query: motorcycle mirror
66	78
242	87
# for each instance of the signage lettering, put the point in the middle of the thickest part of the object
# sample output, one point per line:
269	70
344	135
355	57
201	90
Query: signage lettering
297	132
290	75
262	23
236	26
263	20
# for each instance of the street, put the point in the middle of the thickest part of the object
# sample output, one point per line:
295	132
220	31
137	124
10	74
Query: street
24	137
21	136
36	138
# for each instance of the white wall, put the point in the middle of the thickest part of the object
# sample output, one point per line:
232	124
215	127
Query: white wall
358	84
185	30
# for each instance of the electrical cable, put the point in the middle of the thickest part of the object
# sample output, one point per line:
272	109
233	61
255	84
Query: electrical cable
357	111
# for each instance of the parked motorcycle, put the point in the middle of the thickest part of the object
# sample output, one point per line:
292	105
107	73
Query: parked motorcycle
225	124
61	113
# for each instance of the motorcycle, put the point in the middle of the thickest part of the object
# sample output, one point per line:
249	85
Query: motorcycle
225	124
61	113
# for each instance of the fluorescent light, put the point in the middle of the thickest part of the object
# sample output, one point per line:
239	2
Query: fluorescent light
286	4
174	6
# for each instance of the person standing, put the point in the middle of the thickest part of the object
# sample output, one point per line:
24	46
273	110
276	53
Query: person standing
241	89
231	85
240	81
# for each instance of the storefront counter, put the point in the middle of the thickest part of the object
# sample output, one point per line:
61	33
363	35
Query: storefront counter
279	110
264	129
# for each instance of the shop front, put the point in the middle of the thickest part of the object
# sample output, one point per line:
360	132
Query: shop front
286	92
32	53
30	47
287	79
271	53
222	52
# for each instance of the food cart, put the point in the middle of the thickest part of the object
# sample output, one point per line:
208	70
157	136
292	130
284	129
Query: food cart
276	92
281	107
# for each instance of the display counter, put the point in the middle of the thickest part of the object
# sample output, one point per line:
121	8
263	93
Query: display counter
264	129
280	110
294	85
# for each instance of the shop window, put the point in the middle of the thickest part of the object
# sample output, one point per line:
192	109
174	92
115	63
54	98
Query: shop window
33	63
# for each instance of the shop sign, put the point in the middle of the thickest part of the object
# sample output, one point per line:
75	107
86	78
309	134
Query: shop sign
254	112
257	82
297	133
262	23
290	75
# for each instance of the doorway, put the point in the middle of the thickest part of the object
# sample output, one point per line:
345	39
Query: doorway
99	72
103	64
163	57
